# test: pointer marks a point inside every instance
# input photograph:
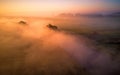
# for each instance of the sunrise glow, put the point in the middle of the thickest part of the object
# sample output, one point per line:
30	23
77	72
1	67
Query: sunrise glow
54	7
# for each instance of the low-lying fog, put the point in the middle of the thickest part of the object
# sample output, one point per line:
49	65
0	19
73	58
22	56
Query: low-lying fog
34	49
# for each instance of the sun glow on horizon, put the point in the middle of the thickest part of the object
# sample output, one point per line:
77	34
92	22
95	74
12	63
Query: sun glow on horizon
53	7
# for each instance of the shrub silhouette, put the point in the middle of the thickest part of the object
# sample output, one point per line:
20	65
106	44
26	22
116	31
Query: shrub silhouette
22	22
53	27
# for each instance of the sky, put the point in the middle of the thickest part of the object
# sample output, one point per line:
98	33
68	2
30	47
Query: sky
54	7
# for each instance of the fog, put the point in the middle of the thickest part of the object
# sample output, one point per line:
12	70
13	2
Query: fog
37	48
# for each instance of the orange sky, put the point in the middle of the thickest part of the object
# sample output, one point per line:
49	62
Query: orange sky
52	7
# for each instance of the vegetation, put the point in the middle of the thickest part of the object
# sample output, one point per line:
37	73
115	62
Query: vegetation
52	27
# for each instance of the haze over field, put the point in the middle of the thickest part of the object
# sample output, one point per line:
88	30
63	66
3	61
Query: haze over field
35	49
43	37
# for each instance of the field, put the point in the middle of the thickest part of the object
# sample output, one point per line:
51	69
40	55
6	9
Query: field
34	49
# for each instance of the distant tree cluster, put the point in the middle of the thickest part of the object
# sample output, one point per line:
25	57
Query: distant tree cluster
53	27
50	26
22	22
